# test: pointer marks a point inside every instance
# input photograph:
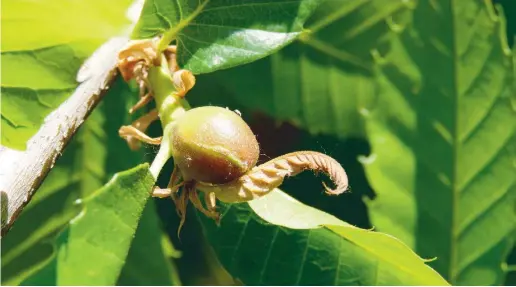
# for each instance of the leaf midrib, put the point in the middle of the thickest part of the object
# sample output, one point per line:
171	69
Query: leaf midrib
169	35
455	151
308	36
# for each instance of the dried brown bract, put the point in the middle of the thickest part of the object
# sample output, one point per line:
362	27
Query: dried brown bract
136	55
134	62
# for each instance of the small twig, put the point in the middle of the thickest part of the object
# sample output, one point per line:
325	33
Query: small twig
22	172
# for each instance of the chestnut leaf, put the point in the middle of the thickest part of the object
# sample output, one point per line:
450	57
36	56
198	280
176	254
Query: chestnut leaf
213	35
97	241
277	240
443	139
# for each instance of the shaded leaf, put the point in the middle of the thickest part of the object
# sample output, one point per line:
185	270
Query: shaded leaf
276	240
509	10
147	263
510	280
43	45
213	35
443	140
197	264
97	241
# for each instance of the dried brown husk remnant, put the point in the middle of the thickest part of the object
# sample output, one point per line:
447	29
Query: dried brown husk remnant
264	178
136	52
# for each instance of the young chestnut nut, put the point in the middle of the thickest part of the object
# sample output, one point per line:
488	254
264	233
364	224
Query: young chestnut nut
214	150
213	145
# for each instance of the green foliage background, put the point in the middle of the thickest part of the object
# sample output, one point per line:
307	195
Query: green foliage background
416	99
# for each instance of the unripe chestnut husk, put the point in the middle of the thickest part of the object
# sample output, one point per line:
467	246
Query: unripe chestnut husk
213	145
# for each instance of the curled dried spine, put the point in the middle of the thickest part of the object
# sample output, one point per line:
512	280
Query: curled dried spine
264	178
190	193
134	134
143	101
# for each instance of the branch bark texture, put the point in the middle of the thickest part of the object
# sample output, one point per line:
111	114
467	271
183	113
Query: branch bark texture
22	172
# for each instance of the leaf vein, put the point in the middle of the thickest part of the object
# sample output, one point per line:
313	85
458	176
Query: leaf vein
269	252
227	7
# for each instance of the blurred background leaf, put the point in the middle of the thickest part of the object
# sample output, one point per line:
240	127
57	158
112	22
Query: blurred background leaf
443	140
213	35
43	45
509	10
510	280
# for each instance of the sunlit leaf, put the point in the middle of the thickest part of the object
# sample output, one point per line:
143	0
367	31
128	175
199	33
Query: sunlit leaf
213	35
443	140
97	241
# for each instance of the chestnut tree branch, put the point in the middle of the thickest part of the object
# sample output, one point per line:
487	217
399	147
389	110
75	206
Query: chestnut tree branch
22	172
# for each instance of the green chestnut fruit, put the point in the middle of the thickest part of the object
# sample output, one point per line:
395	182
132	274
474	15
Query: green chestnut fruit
213	145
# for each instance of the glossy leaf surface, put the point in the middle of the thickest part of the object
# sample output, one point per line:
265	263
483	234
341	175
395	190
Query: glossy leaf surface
213	35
